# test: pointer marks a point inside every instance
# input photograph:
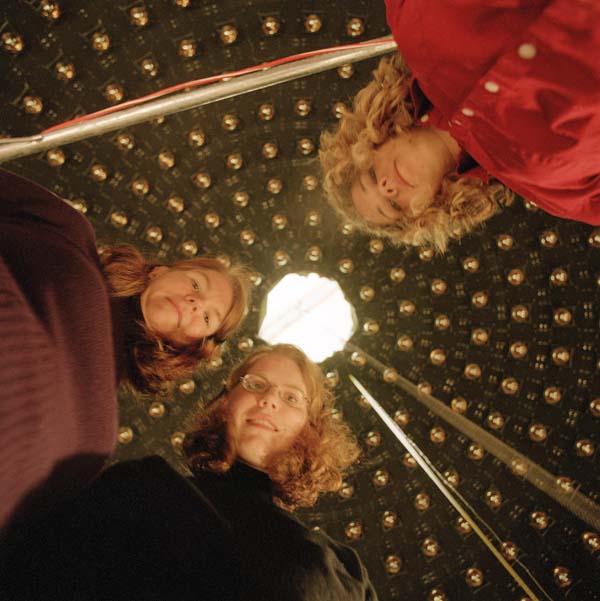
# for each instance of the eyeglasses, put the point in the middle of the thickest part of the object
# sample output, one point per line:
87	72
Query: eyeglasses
260	385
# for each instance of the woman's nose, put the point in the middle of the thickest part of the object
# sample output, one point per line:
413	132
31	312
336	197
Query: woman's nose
387	186
270	398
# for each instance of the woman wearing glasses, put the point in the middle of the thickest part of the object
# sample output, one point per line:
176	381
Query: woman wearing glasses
268	444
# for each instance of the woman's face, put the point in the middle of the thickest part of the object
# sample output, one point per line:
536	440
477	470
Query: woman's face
183	306
265	423
408	166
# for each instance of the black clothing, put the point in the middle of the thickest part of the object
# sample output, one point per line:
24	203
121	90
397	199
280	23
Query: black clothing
144	532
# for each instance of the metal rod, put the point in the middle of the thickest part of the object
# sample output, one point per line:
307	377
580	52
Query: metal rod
573	500
418	455
188	100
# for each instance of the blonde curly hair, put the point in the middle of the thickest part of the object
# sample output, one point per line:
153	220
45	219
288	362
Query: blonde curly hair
382	110
314	464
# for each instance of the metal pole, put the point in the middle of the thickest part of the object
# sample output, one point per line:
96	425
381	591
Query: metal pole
187	100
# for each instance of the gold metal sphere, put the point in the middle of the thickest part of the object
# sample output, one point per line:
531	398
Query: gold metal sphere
480	337
562	317
539	520
196	138
125	435
114	93
559	277
441	322
187	387
346	71
549	239
409	462
274	186
312	23
510	386
245	344
509	550
439	286
459	405
389	519
472	371
426	254
12	43
359	360
474	577
594	238
140	186
566	484
390	375
154	234
279	221
552	395
430	547
157	410
353	530
202	180
212	220
247	237
595	407
305	146
177	439
339	109
561	356
538	432
515	277
98	173
562	576
367	293
149	67
347	229
65	71
422	501
78	204
138	16
355	27
100	42
519	466
471	264
183	3
479	299
313	218
452	477
119	219
303	107
310	182
591	540
424	387
475	452
32	105
314	254
404	343
437	594
585	448
266	111
407	307
256	279
505	241
125	141
380	478
175	204
370	327
281	258
437	356
495	420
401	417
241	199
530	206
373	439
234	161
519	313
518	350
347	490
493	498
55	157
228	34
437	435
189	248
187	48
230	122
271	26
346	266
393	564
397	274
166	159
270	150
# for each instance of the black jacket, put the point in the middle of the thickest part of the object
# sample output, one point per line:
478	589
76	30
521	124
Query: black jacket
144	532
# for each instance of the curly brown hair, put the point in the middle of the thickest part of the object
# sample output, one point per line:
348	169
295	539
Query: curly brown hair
314	464
151	362
380	111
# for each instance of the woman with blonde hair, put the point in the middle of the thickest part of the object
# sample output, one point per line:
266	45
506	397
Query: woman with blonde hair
482	96
74	325
269	442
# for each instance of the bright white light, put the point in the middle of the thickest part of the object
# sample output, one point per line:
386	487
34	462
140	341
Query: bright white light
310	312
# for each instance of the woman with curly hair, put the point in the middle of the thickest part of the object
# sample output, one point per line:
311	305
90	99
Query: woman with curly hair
269	443
485	95
74	325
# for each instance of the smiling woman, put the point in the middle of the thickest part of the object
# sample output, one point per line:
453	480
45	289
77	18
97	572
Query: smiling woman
268	443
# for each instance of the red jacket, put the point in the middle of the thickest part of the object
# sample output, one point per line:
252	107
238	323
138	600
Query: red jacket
517	84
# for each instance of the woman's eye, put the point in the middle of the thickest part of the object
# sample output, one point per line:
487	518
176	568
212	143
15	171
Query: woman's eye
206	319
372	175
293	399
394	205
195	285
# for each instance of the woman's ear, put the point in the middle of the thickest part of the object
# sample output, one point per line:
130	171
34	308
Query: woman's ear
156	271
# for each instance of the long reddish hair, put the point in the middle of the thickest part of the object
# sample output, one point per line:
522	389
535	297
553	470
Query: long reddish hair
152	362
